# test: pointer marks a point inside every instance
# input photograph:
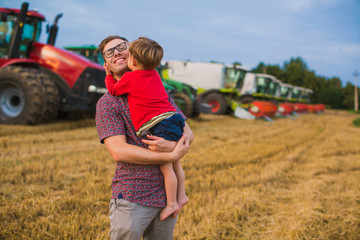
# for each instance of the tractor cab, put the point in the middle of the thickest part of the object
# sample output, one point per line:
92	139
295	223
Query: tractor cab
31	31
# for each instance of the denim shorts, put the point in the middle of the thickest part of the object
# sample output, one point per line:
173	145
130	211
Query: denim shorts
170	129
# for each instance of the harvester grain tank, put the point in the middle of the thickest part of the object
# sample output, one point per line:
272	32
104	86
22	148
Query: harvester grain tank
39	80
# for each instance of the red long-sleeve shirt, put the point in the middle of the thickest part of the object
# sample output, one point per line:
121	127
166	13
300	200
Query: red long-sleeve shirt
146	94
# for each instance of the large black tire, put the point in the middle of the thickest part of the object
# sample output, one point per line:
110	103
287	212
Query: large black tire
217	102
196	110
24	96
184	102
52	97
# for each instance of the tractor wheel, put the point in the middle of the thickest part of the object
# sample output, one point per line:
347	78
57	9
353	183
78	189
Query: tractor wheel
23	98
183	102
196	111
52	97
217	102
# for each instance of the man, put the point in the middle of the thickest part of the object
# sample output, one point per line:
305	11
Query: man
138	193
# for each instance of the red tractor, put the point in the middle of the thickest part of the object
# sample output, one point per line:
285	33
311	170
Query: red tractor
40	81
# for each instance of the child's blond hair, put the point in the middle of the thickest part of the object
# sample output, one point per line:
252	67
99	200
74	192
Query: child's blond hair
147	52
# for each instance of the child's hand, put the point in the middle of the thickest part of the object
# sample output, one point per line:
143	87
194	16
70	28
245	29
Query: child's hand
107	70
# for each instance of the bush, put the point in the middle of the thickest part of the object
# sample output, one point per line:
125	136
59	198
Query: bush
356	122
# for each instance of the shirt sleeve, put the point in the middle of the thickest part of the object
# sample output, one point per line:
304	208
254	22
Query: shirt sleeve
108	121
171	100
117	88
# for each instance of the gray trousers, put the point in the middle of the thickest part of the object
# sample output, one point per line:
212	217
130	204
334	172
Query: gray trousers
131	221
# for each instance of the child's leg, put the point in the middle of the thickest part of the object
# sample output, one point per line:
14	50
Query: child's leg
181	195
170	189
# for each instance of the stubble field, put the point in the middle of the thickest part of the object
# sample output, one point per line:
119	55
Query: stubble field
289	179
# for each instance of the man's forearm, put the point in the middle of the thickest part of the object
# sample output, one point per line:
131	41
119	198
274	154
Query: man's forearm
124	152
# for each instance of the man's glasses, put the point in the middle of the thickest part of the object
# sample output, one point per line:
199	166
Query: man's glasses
120	47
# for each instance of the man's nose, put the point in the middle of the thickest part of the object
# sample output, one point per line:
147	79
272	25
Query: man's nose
116	51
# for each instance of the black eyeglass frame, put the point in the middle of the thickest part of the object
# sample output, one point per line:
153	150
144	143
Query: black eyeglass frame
120	47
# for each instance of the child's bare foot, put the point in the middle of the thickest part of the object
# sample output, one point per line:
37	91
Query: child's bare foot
168	210
181	202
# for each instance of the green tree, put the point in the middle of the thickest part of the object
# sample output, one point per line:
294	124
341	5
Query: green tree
334	82
348	93
260	68
275	71
294	71
312	82
331	96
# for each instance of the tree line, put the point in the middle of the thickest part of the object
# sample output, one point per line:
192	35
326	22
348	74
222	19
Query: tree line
328	91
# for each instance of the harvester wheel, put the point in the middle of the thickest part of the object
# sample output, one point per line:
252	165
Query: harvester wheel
183	102
217	102
23	96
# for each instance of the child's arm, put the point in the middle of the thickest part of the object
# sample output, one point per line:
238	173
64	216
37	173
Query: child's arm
117	88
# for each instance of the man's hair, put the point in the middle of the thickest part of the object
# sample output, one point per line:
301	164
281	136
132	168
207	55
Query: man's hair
147	52
108	39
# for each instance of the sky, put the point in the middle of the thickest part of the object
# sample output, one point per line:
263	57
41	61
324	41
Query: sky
324	33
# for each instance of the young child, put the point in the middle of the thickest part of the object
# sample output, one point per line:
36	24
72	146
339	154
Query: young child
152	113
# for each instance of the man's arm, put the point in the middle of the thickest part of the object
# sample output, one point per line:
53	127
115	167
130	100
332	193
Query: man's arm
124	152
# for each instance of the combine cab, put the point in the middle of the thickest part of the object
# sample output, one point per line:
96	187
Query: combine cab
38	80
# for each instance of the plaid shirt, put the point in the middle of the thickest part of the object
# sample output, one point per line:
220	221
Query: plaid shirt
140	184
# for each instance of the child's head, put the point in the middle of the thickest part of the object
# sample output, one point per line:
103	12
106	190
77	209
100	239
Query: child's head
145	52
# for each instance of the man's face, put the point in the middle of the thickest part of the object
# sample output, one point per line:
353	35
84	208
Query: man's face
118	62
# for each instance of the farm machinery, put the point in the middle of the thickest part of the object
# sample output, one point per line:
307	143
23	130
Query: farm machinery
38	81
226	88
184	95
296	100
235	89
91	52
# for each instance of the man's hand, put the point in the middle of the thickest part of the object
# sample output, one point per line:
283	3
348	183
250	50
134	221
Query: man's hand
181	148
159	144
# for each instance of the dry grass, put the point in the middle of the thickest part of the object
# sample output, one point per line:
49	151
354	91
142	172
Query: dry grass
245	179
